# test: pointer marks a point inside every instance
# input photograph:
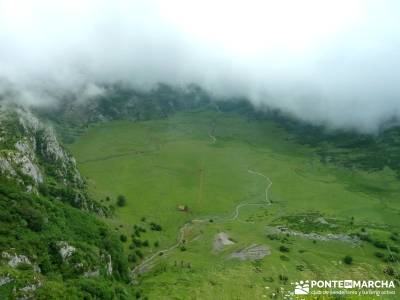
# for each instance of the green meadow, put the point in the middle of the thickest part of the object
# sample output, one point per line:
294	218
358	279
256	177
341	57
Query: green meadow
207	161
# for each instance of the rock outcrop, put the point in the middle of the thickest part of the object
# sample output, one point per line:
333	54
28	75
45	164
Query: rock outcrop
15	260
65	250
253	252
30	152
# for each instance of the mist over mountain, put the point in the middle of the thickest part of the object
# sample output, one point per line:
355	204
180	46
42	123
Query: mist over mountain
331	63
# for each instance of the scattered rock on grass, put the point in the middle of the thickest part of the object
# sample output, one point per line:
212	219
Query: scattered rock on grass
253	252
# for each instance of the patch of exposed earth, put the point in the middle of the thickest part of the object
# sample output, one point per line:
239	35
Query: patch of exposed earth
253	252
220	241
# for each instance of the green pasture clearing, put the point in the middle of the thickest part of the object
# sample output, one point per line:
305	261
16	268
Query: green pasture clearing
161	164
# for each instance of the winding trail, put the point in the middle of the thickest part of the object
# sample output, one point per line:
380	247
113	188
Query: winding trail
146	264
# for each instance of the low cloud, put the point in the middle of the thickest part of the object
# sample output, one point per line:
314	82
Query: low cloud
330	62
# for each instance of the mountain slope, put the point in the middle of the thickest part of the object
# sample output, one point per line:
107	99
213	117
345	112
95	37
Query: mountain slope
52	244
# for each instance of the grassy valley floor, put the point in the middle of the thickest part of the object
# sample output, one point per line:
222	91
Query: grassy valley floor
222	173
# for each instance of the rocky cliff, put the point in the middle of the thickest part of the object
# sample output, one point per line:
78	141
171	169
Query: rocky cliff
31	155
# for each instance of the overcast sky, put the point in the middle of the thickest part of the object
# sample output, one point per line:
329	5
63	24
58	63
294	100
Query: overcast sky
333	62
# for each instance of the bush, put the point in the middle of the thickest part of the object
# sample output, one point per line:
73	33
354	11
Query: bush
155	227
139	253
121	201
392	258
389	271
380	244
97	289
132	258
283	248
394	236
283	278
137	243
348	260
34	219
43	189
123	238
300	268
138	294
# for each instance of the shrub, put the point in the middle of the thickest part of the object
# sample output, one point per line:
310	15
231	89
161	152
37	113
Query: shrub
139	253
34	219
121	201
380	244
155	227
392	258
138	294
300	268
348	260
283	248
137	243
132	258
389	271
283	278
43	189
123	238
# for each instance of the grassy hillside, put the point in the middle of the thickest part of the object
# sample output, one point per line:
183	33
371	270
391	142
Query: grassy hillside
203	168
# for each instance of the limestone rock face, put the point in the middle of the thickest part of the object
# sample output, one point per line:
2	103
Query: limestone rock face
15	260
5	280
109	265
26	145
65	250
95	273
